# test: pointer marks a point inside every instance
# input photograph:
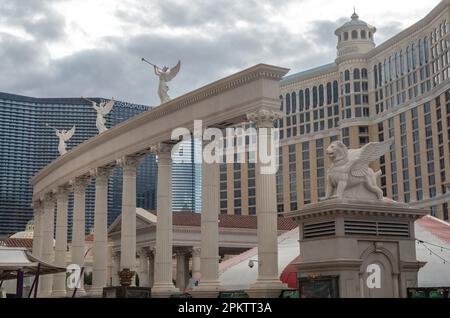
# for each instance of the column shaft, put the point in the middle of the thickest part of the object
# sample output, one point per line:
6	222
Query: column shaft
268	283
163	284
48	253
38	229
128	230
59	284
79	227
209	266
100	248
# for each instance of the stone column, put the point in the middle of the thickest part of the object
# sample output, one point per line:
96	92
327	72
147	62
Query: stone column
182	273
59	284
100	248
209	285
268	283
143	268
38	208
163	285
79	226
196	263
151	266
48	254
128	226
115	268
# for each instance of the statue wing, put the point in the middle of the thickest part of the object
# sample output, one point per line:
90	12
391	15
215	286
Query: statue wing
173	72
108	107
370	152
69	134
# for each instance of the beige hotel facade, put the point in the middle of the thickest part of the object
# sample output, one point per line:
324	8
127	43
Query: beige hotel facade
399	89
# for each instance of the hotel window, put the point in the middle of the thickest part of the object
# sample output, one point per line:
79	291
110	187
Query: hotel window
375	76
306	173
347	75
320	168
307	99
346	136
321	95
315	96
301	101
292	178
288	104
294	103
335	92
329	94
279	180
251	189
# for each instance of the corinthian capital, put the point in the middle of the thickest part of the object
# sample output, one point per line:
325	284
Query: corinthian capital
79	184
161	148
101	174
264	118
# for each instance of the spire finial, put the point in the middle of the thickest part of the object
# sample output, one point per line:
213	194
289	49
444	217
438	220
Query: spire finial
354	15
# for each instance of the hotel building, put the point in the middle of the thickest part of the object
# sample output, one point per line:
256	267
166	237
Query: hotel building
398	90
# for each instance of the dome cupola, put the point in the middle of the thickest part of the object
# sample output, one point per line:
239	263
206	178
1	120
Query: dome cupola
355	37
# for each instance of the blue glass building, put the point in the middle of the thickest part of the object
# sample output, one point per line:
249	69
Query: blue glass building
27	145
186	177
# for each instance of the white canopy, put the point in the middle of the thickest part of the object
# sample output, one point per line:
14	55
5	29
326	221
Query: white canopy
13	258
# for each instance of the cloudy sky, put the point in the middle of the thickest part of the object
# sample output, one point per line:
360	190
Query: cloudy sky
69	48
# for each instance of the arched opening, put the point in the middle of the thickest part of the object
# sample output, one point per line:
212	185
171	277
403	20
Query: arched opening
354	35
363	34
356	74
345	36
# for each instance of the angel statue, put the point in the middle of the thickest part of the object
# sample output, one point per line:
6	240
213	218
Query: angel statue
349	175
103	109
165	75
64	136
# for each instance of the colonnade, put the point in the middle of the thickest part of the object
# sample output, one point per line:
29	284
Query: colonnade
155	265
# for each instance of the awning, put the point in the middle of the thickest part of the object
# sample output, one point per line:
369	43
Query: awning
12	259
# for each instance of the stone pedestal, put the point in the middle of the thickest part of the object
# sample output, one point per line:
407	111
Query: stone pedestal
357	244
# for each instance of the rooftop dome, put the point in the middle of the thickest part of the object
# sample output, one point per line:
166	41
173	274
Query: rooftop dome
355	22
355	36
27	234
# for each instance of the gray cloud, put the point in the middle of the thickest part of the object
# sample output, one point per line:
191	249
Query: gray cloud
213	46
35	17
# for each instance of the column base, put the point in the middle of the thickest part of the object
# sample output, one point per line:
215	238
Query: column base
208	289
59	294
81	292
164	290
44	294
266	288
96	292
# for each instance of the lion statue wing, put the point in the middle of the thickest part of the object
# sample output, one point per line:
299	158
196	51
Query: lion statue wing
370	152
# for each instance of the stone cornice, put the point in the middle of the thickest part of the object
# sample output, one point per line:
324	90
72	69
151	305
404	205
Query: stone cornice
329	265
356	208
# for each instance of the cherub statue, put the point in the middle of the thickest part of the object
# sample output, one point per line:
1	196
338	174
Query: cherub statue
103	109
64	136
349	170
165	75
